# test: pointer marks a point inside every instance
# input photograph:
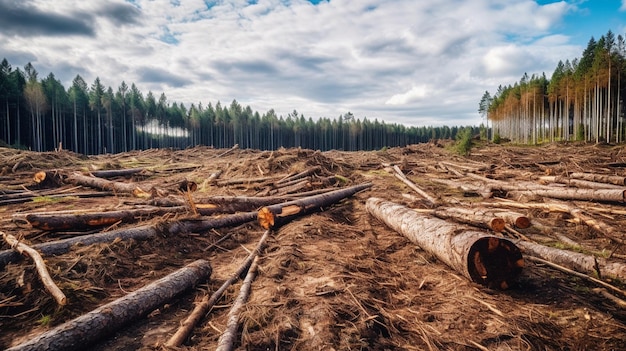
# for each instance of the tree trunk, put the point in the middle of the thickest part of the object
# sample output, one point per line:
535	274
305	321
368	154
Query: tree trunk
488	260
600	178
577	261
603	195
83	331
474	216
87	221
232	204
103	184
138	233
275	215
110	173
580	183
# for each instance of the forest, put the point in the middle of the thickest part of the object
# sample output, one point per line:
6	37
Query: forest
582	100
42	115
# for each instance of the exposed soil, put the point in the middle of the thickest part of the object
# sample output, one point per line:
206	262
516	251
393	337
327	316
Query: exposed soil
334	280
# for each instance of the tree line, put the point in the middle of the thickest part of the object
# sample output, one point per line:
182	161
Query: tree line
41	114
582	100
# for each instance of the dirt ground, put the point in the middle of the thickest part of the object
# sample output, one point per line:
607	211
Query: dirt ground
332	280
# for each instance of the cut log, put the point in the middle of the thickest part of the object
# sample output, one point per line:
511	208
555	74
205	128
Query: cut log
601	178
104	184
302	174
83	331
48	179
47	281
87	221
485	259
274	215
579	183
235	147
137	233
601	195
203	307
397	172
232	204
517	219
226	342
112	173
474	216
577	261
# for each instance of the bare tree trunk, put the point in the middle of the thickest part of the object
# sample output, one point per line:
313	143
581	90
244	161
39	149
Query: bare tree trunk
103	184
485	259
83	331
274	215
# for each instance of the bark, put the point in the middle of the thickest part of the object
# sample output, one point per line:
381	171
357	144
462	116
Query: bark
235	147
137	233
83	331
469	189
104	184
203	307
47	281
577	261
244	181
601	195
485	259
274	215
22	198
226	342
579	183
111	173
232	204
474	216
86	221
601	178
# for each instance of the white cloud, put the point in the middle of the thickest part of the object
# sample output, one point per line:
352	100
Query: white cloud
623	7
322	60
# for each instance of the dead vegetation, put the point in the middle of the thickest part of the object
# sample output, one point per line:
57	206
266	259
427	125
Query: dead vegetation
337	279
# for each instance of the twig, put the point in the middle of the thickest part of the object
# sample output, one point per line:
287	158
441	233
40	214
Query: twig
47	281
208	302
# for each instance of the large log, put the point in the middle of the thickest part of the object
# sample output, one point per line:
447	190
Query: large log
601	178
602	195
83	331
138	233
275	215
580	183
474	216
485	259
232	204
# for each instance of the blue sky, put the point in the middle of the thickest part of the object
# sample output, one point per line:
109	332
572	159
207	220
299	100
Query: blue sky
402	61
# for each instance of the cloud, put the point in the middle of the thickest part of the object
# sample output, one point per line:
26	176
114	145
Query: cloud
23	19
161	76
404	61
415	94
623	7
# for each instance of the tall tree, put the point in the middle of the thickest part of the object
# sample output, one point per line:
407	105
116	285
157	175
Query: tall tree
95	102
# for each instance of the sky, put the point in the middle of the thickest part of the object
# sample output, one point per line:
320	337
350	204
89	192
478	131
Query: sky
417	63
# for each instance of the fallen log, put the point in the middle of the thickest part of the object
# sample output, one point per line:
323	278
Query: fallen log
577	261
601	178
104	184
47	281
485	259
601	195
302	174
474	216
226	342
48	179
397	172
232	204
86	221
580	183
111	173
274	215
203	307
137	233
83	331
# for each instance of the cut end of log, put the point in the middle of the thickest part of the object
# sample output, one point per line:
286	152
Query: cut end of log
522	222
494	262
140	193
497	224
266	218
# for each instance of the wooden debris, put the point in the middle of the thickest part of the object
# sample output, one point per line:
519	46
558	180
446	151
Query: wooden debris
81	332
48	179
203	307
104	184
397	172
274	215
488	260
226	341
137	233
112	173
47	281
601	178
